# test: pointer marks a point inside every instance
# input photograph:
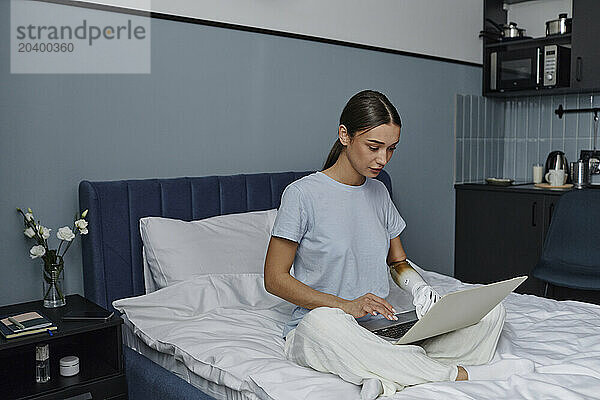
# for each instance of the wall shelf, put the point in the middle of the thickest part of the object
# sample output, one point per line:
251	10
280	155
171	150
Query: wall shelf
556	39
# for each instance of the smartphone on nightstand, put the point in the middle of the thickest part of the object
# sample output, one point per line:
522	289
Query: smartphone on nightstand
88	315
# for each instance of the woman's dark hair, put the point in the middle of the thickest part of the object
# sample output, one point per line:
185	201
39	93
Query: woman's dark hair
364	111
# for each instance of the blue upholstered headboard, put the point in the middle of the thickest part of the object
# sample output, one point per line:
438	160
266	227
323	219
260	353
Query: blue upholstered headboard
112	250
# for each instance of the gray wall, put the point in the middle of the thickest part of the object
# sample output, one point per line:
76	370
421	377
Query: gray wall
504	138
218	101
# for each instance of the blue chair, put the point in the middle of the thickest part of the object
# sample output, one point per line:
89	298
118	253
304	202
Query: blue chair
571	253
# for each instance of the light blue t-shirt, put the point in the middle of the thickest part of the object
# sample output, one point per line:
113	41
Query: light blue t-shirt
343	234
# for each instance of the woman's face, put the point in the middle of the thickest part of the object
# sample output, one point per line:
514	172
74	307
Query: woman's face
369	152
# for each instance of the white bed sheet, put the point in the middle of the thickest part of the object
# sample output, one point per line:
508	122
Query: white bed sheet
227	331
170	363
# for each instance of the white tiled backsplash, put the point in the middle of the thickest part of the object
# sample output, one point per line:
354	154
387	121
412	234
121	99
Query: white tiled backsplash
504	138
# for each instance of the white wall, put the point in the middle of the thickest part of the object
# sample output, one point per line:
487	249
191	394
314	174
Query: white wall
442	28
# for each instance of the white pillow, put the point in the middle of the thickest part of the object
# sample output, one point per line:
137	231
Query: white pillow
176	250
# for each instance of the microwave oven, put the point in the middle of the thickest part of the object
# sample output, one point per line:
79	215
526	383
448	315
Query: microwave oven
530	68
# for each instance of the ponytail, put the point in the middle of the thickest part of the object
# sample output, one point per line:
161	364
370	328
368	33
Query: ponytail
334	154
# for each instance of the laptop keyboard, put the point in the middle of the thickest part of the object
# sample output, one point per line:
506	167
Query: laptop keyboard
396	331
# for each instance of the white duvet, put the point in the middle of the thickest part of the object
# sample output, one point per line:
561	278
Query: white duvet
227	329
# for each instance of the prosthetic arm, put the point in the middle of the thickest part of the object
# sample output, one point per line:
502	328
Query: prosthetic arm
424	296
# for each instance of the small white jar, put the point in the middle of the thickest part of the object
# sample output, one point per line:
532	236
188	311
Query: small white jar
69	365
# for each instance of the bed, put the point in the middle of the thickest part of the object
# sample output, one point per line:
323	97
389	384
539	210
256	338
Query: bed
218	337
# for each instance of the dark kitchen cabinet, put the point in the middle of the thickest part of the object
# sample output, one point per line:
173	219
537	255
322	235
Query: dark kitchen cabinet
585	57
500	234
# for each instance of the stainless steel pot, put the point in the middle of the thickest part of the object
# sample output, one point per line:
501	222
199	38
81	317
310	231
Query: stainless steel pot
512	31
559	26
502	32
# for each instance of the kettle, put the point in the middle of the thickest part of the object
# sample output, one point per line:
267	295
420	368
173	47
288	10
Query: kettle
557	160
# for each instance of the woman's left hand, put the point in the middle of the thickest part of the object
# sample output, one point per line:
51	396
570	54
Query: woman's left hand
424	297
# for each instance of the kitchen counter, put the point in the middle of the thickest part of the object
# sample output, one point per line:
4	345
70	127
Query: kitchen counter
517	188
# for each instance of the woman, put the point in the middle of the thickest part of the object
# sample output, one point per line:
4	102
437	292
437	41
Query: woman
341	231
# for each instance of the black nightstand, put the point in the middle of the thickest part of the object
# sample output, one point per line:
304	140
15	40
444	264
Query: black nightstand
96	343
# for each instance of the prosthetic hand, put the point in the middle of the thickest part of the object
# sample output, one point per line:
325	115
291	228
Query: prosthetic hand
424	296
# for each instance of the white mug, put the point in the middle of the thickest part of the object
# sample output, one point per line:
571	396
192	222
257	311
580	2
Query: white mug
556	177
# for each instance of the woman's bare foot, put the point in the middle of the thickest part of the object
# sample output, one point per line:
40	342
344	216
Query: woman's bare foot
462	374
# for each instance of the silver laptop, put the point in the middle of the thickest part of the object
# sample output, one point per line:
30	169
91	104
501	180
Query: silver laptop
451	312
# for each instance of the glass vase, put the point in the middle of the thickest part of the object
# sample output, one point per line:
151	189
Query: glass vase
53	283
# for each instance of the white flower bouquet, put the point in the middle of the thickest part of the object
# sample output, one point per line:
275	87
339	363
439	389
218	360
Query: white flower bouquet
53	258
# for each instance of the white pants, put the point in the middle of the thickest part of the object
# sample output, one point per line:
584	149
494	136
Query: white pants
329	340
